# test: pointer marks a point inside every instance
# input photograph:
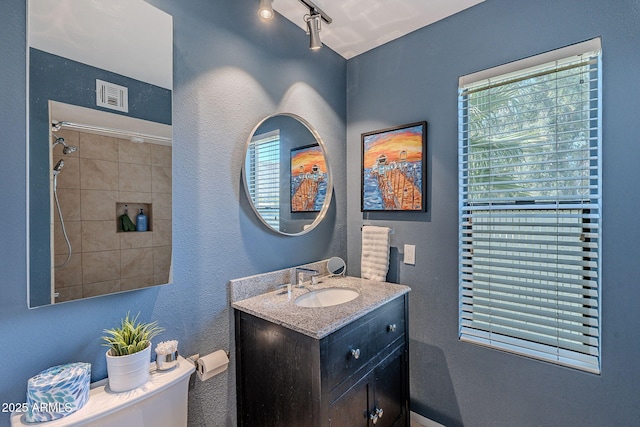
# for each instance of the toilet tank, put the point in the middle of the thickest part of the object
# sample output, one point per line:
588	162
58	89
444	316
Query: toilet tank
161	402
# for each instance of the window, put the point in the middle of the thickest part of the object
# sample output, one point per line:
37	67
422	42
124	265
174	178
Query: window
263	170
530	207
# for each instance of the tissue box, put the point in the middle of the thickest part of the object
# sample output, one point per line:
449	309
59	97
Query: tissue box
57	392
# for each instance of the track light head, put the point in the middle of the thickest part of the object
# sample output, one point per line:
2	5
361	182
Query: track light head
265	10
313	30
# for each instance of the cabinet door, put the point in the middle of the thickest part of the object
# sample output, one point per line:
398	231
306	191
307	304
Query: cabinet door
378	400
277	376
350	410
388	398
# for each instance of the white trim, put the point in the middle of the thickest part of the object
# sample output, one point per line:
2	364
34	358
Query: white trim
263	137
105	123
27	169
593	45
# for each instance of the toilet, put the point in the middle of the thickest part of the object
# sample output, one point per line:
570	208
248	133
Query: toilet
161	402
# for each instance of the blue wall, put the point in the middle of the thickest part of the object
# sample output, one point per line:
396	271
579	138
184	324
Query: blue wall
415	78
230	71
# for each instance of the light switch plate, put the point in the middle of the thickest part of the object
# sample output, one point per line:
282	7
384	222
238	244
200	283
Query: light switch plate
410	254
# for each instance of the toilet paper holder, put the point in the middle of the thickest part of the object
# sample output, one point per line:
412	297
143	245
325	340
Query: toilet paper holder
210	365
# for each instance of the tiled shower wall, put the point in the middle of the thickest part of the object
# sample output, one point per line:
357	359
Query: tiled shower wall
96	181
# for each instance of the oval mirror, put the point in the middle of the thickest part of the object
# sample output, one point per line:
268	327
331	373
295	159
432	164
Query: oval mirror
336	266
286	174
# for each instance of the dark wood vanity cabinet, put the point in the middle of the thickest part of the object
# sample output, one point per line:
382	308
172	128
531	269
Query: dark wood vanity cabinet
355	376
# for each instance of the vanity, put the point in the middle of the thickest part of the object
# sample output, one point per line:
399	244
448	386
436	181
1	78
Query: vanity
342	365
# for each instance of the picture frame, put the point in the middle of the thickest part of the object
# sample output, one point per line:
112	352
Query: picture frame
308	178
393	169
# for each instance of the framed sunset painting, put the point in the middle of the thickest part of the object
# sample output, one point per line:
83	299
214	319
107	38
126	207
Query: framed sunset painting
308	178
393	168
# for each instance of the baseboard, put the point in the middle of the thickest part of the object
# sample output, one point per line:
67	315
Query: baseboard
426	422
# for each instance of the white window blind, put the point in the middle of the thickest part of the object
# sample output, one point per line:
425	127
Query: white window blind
530	207
264	176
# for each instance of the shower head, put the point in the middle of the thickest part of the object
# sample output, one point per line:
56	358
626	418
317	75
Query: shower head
58	167
68	149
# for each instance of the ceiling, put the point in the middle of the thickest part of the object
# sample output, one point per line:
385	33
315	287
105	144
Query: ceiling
110	34
361	25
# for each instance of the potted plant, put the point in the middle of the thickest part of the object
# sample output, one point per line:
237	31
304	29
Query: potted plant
129	353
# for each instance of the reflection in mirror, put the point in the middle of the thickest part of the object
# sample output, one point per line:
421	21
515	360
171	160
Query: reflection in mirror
336	266
286	174
99	148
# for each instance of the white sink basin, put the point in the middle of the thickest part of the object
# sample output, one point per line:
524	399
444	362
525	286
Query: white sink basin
326	297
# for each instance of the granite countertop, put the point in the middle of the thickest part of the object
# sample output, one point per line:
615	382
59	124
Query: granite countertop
318	322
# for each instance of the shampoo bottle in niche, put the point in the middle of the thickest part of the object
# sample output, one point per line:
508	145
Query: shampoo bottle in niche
141	221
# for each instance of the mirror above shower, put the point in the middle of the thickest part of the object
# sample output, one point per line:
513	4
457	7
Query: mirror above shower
287	175
100	148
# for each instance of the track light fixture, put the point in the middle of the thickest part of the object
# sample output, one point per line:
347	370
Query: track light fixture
313	20
265	10
313	30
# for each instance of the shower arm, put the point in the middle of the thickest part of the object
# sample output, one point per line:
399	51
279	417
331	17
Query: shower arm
68	149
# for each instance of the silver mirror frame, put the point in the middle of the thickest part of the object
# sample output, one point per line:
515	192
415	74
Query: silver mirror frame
329	195
336	266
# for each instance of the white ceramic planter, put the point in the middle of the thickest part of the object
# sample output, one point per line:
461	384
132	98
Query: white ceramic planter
128	372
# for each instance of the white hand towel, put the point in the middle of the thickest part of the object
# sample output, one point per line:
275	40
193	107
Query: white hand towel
375	253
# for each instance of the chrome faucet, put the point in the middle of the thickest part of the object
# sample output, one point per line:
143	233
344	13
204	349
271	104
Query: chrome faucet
300	276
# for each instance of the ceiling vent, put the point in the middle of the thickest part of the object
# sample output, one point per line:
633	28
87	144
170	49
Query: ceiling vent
112	96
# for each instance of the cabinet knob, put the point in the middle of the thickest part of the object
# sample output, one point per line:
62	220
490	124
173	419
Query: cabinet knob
375	416
355	353
391	327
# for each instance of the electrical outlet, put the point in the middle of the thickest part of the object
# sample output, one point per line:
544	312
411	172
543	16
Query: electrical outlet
410	254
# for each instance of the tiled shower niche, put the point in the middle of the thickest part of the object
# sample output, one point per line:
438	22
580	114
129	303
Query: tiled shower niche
96	182
132	209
